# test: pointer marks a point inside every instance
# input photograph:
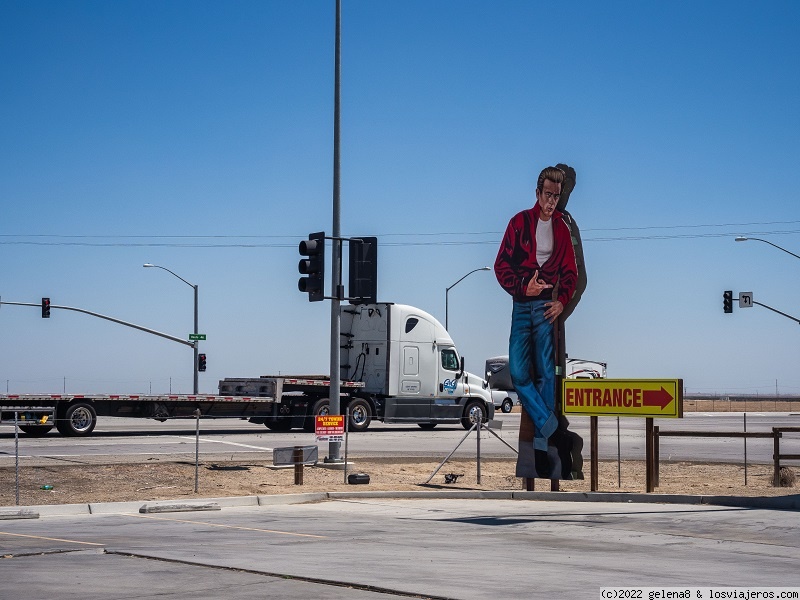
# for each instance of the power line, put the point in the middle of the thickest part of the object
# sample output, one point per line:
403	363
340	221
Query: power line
444	238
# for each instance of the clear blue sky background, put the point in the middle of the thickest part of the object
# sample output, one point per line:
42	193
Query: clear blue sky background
198	136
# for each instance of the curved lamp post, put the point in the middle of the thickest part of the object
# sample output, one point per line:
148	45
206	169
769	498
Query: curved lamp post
191	285
447	294
742	238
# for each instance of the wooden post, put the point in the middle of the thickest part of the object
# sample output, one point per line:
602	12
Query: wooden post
594	460
656	467
776	460
297	458
648	442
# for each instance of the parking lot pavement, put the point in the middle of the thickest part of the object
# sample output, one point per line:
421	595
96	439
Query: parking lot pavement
382	547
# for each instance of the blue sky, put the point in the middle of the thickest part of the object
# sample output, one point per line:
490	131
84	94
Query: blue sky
198	136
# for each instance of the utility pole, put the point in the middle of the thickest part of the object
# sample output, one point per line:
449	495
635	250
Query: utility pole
336	275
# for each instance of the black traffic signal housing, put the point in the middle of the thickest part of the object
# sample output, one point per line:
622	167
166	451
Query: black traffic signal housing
363	252
313	267
727	301
45	308
201	362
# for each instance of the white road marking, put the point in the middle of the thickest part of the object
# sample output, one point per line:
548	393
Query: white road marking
229	443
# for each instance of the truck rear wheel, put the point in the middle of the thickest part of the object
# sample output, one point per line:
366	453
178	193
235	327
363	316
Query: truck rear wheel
78	420
360	415
473	413
320	407
507	405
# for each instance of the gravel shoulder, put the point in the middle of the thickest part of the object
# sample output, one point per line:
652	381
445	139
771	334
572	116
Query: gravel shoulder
157	480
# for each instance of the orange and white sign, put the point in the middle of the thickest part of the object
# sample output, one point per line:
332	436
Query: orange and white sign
329	428
623	397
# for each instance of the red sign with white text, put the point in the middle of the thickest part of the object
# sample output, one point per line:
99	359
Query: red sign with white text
329	428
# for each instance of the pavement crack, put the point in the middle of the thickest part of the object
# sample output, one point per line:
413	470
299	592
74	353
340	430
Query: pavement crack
286	576
47	552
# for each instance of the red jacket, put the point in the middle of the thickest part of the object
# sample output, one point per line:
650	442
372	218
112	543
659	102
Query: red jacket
516	259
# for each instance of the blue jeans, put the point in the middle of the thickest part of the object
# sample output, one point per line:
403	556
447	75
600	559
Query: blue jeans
531	344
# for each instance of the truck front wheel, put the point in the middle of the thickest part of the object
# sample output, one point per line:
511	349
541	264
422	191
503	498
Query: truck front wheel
473	413
78	420
507	405
360	415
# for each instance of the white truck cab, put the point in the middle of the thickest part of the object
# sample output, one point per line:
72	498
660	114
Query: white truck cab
409	364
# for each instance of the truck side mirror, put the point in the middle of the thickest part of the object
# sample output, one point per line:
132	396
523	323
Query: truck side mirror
461	369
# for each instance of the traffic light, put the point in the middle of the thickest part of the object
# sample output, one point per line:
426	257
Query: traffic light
363	253
201	362
727	301
313	266
45	308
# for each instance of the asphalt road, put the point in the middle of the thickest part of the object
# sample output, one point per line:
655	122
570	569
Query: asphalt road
362	547
136	439
375	548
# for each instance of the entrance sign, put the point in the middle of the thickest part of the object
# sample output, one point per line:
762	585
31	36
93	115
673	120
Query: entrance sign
329	428
623	397
745	299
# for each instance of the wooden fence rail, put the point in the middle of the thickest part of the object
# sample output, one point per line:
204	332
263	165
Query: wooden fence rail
776	434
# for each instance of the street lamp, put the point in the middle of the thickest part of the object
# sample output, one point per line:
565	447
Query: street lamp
742	238
447	294
194	388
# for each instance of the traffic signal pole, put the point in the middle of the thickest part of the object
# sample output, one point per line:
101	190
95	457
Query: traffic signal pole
775	310
195	383
107	318
727	304
334	448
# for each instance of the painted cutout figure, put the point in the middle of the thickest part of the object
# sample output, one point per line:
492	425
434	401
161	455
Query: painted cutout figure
536	264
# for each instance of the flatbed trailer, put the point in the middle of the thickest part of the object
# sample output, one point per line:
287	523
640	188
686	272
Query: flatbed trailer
76	414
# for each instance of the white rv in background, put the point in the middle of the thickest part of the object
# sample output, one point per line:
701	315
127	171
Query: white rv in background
503	394
578	368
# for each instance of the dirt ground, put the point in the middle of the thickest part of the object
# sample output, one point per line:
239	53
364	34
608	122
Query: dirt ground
176	480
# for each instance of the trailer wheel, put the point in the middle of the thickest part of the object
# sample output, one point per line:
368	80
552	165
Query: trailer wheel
360	415
35	430
426	426
507	405
472	414
320	407
78	420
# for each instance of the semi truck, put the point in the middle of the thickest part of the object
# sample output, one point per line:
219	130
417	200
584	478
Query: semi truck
398	365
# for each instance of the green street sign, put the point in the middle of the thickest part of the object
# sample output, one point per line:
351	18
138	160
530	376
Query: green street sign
195	337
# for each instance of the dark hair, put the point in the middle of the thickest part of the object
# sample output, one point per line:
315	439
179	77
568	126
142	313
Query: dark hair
553	174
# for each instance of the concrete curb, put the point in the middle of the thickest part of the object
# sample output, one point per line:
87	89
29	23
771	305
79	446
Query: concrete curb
18	513
790	502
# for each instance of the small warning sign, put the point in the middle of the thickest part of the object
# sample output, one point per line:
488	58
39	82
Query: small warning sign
329	428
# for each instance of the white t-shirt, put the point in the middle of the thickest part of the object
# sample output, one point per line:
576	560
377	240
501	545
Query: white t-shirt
544	240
